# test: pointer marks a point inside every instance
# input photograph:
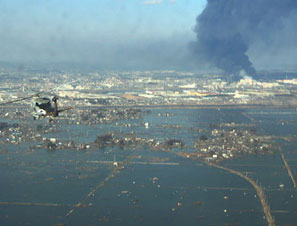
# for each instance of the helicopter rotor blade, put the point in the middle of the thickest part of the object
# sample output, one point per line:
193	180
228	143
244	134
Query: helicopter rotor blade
65	109
20	99
53	91
32	96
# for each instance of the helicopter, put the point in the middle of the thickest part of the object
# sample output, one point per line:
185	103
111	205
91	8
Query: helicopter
42	107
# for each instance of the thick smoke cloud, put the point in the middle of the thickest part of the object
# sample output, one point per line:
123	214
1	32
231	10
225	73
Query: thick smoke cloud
226	29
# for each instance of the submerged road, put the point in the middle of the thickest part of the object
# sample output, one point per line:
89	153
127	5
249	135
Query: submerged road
266	209
115	171
288	169
265	206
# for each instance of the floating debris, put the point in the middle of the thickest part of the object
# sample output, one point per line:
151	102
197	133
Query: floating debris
197	203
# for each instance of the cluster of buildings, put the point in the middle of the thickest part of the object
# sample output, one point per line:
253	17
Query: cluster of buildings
146	88
226	144
108	97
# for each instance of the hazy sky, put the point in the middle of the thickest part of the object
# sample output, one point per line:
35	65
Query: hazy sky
103	32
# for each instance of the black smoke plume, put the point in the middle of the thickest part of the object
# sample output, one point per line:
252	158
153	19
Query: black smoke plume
226	29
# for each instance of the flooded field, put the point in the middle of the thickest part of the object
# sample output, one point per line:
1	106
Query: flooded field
142	185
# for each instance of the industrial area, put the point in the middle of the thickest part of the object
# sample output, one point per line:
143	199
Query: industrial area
148	88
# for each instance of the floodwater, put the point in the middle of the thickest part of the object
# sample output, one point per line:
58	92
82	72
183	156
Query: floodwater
154	188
